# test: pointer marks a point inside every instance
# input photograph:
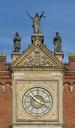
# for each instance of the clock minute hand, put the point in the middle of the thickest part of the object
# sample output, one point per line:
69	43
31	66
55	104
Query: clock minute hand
32	96
38	101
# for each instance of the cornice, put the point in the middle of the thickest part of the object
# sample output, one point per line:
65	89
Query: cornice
37	69
4	72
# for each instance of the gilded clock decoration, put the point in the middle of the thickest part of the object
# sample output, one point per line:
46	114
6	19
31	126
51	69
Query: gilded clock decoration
37	101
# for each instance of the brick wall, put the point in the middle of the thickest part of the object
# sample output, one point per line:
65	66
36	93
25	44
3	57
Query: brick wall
5	108
5	94
69	107
69	93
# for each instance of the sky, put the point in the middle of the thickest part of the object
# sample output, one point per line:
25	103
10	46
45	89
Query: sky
59	17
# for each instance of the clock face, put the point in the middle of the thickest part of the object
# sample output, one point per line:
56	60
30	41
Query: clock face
37	101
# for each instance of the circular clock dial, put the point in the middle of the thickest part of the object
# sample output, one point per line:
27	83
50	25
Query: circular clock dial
37	101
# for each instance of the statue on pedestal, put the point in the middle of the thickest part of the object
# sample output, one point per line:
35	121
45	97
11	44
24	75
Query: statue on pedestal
36	22
17	42
57	43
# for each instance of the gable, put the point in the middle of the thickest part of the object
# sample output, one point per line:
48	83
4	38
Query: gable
37	55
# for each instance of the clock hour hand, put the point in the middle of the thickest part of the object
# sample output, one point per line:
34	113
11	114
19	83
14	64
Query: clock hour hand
37	100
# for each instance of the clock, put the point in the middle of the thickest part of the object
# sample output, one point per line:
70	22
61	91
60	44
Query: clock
37	101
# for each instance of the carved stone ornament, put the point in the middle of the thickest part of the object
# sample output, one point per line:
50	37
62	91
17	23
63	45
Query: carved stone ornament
37	55
71	87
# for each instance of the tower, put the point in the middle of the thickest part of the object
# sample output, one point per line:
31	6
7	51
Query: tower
37	81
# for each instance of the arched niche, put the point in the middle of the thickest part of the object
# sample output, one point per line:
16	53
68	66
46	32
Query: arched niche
67	86
8	87
1	87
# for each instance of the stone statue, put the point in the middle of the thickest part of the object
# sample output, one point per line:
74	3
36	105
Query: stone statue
17	44
57	43
36	22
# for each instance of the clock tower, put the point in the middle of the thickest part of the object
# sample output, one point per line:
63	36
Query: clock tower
37	80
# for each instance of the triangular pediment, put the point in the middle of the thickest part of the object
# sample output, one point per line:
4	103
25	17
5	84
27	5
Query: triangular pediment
37	55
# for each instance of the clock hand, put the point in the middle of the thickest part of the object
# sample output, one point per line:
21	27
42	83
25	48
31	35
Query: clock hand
37	100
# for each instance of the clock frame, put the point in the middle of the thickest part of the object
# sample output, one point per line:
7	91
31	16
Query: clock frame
37	101
52	113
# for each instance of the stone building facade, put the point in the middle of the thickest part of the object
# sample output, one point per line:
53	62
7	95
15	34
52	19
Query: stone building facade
17	65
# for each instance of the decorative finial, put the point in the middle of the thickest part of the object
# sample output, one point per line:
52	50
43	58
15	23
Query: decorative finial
36	22
57	43
17	42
